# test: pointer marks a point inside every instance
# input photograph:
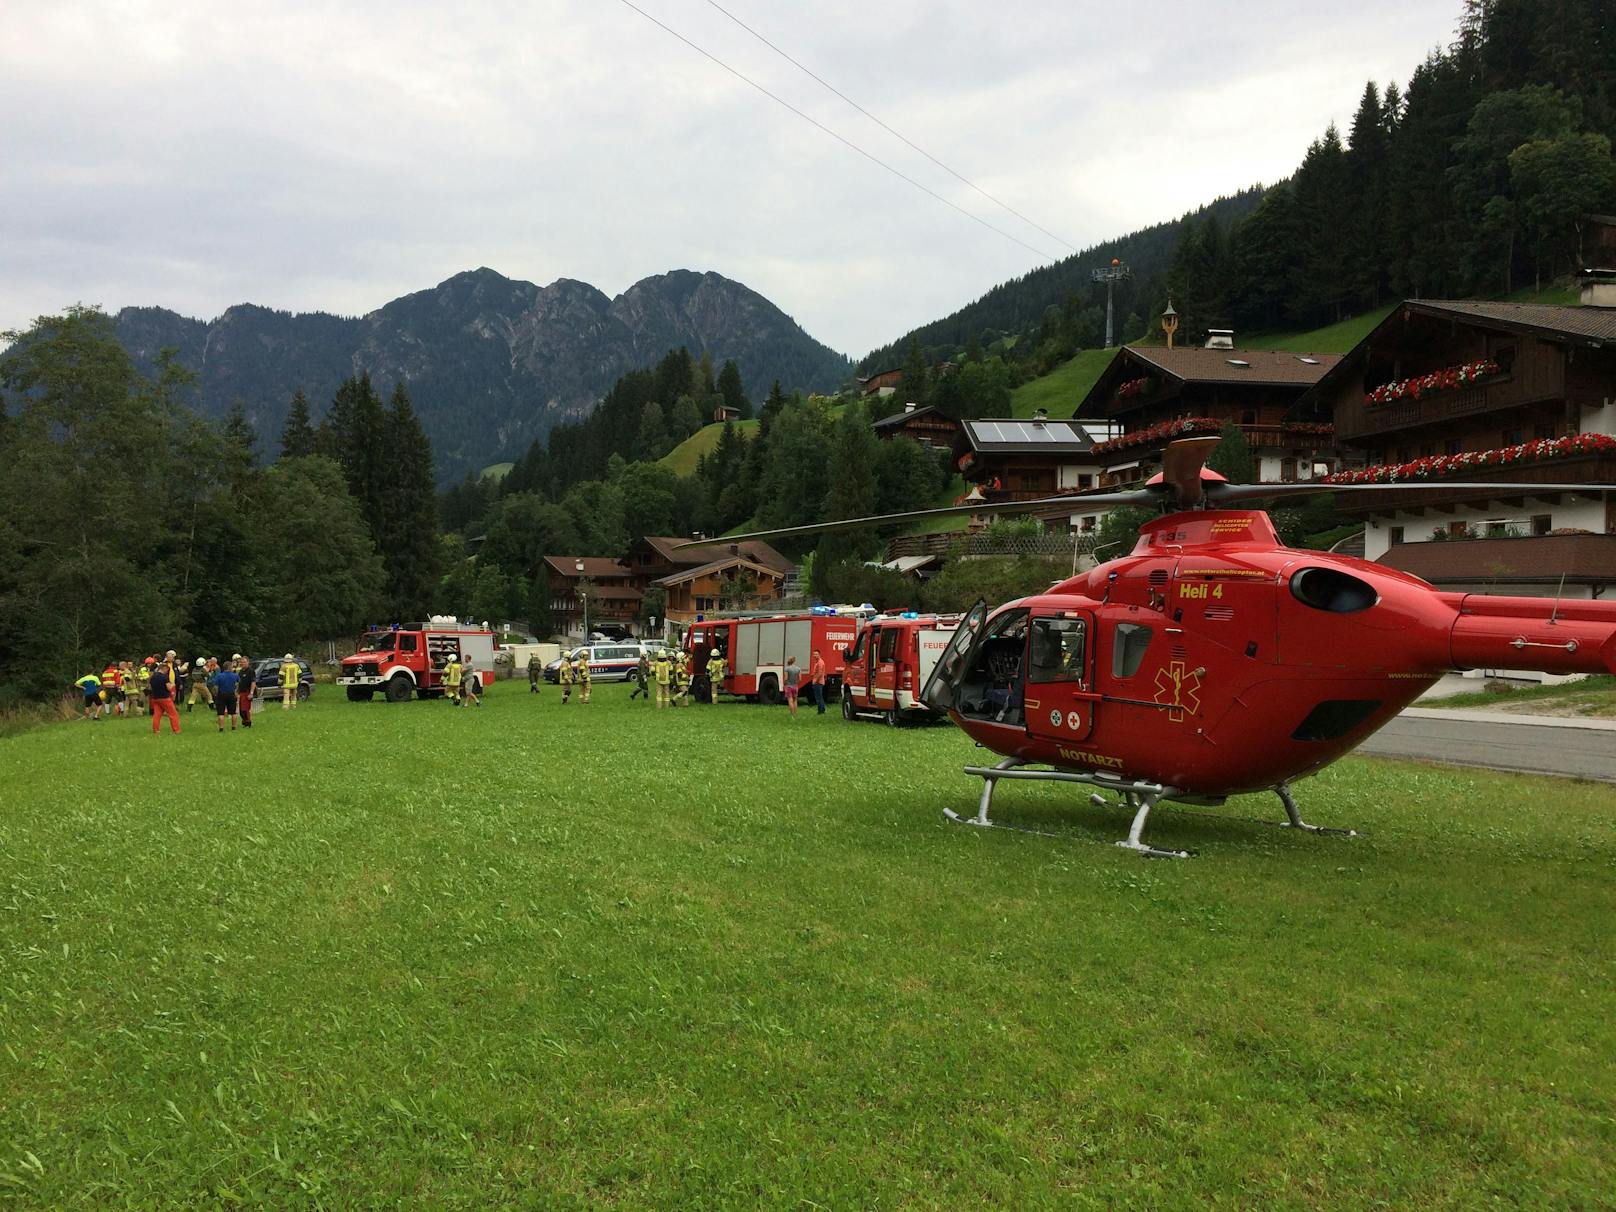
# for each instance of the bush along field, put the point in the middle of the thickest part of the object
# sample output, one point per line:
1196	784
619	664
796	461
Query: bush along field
569	957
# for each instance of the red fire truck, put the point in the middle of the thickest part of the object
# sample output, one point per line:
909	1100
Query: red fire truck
890	662
755	648
408	658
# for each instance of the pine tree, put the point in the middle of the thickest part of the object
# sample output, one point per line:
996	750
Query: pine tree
240	451
409	511
731	389
775	402
652	440
297	436
1368	156
1233	459
853	486
915	385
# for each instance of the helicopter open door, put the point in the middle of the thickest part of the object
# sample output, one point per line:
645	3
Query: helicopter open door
1060	696
941	691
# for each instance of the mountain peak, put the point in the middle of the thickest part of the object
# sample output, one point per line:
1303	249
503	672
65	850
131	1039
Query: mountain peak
491	362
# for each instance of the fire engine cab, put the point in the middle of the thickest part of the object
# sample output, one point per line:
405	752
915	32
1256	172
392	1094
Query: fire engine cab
889	663
408	658
755	648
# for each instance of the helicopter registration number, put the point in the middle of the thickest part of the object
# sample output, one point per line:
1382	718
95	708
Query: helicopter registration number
1200	591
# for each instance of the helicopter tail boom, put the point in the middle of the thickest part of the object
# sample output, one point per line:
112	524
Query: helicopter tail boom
1543	634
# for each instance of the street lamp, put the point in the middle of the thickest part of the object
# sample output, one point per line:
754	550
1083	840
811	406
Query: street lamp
583	596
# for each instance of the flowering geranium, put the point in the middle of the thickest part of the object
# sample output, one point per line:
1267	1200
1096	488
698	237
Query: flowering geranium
1136	387
1439	467
1438	380
1162	429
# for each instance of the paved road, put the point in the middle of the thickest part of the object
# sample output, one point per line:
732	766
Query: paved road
1583	749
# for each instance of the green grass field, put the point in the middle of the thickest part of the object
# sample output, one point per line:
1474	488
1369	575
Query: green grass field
1062	389
1592	696
682	458
574	957
1332	338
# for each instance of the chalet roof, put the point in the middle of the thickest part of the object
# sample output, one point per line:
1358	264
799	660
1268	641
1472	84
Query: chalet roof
1268	367
751	549
1590	326
1581	558
1582	325
898	418
594	566
876	374
691	574
1013	436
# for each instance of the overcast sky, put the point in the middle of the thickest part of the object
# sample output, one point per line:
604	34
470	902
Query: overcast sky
312	156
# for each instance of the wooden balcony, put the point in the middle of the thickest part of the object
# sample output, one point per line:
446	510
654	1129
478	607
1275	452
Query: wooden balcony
1579	469
1358	422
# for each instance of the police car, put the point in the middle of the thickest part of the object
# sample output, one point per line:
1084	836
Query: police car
607	662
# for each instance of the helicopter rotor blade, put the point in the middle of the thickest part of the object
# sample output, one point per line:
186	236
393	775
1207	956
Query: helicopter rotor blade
1218	494
1071	503
1181	468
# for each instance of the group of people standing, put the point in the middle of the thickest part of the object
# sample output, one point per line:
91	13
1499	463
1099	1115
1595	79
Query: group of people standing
678	678
156	685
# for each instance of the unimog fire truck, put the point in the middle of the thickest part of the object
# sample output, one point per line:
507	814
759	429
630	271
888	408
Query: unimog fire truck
408	659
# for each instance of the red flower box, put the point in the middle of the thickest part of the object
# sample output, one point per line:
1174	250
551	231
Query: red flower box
1449	379
1439	467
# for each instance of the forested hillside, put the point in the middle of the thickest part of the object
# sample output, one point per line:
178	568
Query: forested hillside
492	363
1064	294
1469	180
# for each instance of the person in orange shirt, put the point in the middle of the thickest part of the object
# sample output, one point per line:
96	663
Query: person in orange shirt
816	679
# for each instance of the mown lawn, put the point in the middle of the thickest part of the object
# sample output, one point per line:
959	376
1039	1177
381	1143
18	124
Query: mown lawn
535	956
1062	389
683	457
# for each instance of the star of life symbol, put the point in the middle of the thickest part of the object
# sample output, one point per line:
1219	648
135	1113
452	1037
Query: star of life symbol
1178	690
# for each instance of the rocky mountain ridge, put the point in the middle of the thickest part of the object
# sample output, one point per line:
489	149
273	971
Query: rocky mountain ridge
490	362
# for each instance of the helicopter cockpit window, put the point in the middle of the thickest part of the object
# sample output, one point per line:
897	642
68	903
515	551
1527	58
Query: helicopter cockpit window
1057	649
993	685
1128	649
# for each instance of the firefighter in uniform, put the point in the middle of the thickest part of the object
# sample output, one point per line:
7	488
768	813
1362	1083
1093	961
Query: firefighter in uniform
452	673
662	671
642	678
681	678
535	670
470	684
199	684
580	673
291	675
564	675
715	674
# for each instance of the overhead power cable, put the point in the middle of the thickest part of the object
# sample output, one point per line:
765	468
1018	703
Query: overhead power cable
874	159
896	134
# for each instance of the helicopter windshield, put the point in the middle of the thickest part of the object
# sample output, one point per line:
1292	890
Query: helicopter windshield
995	673
939	691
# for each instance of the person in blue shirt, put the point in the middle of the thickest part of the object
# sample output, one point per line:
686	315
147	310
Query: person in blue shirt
223	682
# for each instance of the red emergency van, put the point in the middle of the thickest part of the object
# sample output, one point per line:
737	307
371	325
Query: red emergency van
755	648
890	662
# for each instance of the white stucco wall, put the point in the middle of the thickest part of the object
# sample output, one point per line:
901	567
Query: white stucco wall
1581	514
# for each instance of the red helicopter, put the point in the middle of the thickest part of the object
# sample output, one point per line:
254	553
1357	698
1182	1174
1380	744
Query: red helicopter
1215	661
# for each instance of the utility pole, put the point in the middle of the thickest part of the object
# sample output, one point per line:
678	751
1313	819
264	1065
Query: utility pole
1111	275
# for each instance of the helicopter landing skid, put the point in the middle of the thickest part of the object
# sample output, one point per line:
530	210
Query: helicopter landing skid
1294	816
1139	796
